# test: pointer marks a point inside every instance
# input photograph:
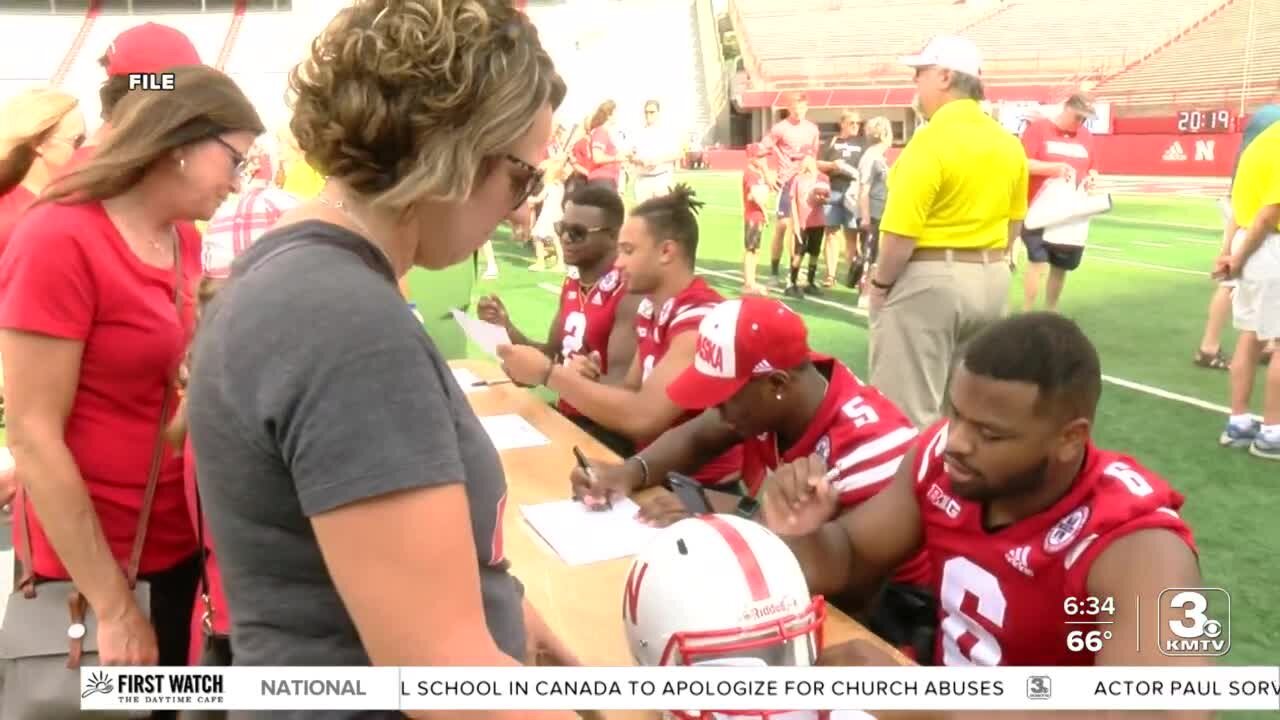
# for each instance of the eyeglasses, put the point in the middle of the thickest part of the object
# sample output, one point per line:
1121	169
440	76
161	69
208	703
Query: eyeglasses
240	162
575	233
527	186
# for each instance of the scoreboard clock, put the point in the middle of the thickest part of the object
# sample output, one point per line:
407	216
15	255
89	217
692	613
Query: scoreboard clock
1206	121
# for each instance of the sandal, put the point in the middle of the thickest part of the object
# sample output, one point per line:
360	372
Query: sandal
1213	361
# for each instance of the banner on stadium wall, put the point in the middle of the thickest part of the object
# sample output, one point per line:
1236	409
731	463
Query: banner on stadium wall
1016	114
1210	155
723	688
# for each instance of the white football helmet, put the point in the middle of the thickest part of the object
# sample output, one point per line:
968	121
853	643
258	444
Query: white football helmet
720	590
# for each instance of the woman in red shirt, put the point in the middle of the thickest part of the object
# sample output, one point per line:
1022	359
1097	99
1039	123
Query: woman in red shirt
91	344
606	166
39	130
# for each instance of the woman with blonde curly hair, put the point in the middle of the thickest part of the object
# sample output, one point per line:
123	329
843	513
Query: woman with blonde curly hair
39	130
354	498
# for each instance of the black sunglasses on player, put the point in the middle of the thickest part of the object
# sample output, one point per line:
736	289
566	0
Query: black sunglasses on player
528	186
575	233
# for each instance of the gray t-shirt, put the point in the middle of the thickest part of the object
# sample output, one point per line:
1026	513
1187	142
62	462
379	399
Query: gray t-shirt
874	170
314	387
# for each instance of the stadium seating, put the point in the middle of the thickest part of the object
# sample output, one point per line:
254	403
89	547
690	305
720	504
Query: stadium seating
784	41
1226	60
1028	41
1023	41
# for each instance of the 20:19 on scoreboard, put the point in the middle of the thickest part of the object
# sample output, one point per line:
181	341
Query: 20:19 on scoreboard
1206	121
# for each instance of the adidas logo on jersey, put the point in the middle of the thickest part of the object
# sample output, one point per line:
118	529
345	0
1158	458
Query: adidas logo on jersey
1018	558
1175	153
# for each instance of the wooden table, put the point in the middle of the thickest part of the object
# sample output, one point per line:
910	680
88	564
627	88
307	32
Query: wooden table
582	604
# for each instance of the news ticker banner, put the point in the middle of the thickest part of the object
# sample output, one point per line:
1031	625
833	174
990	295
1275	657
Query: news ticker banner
666	688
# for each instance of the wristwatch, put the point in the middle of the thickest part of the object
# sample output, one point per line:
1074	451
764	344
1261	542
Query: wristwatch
748	507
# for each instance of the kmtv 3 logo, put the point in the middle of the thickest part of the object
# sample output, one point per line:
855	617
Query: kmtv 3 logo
1195	621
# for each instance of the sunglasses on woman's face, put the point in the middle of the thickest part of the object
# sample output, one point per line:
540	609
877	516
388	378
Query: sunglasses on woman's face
526	183
574	233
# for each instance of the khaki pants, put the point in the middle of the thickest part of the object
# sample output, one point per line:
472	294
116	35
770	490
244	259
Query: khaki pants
933	309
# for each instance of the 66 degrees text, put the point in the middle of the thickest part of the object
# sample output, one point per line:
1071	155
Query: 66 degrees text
1088	622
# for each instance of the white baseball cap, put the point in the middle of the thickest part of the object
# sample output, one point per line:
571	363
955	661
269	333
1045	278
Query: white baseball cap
951	52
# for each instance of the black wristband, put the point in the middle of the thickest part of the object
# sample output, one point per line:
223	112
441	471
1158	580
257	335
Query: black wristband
881	286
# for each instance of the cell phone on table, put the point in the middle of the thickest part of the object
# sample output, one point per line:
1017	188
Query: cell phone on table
690	493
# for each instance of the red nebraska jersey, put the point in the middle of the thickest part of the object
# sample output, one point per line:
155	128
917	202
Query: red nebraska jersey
1001	593
1043	140
654	330
586	319
855	428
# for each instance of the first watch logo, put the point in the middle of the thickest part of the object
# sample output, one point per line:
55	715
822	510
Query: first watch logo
97	682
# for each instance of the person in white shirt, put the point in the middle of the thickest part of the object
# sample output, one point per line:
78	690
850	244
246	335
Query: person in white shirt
654	156
544	229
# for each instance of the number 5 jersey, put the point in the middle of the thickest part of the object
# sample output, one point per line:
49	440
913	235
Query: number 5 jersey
1001	593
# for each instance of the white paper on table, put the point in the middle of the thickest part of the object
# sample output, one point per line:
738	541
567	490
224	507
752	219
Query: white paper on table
581	536
509	432
486	335
467	380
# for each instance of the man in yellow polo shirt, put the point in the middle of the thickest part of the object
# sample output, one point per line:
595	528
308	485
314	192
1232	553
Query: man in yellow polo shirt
1254	258
957	197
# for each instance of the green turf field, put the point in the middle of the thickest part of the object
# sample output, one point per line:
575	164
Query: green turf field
1141	295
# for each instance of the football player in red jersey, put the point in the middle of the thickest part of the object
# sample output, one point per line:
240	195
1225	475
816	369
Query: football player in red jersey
596	313
1022	516
656	251
756	382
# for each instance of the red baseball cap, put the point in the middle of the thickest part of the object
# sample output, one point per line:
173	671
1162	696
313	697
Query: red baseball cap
737	341
149	48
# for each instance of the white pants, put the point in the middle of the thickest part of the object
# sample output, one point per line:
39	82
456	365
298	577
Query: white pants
1255	304
651	186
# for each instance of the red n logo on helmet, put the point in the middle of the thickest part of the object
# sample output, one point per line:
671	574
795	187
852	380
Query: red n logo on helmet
631	593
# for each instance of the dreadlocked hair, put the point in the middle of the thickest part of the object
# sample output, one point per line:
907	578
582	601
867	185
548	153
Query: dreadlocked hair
673	216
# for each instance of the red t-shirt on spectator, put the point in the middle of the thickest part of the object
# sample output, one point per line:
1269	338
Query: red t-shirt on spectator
751	210
1045	141
12	205
791	142
69	274
602	140
811	192
581	152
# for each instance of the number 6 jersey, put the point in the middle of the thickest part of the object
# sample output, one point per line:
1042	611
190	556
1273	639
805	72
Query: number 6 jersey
1001	593
585	317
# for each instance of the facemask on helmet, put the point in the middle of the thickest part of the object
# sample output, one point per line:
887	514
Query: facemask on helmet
721	590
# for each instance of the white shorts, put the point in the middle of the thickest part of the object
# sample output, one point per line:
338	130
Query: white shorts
1255	304
651	186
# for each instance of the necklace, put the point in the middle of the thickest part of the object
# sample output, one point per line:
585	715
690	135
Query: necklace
341	207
